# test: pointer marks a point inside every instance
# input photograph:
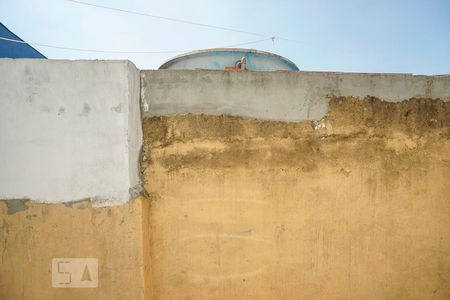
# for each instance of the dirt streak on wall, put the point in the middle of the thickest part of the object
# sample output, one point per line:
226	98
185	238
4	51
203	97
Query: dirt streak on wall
355	205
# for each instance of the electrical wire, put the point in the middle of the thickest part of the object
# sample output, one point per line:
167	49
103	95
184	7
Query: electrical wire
278	38
273	38
167	18
123	52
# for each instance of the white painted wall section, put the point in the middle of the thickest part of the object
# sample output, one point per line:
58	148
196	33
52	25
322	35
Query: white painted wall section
69	130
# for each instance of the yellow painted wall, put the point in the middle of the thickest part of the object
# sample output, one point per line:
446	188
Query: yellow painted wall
355	206
32	234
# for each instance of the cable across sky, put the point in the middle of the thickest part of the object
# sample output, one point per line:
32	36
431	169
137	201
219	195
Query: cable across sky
123	52
267	37
272	37
168	18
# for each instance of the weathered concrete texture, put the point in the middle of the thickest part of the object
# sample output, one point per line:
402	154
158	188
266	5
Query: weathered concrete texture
285	96
117	236
69	130
353	206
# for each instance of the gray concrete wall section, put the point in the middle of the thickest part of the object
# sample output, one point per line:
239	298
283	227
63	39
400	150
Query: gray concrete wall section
69	130
287	96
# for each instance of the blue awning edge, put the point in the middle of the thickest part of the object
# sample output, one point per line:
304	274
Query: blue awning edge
9	49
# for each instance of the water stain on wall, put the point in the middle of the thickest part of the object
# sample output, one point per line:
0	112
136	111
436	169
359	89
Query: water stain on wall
355	205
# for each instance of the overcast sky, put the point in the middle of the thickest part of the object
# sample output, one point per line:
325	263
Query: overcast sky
405	36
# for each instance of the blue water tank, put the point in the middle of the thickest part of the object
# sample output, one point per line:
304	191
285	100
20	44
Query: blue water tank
229	59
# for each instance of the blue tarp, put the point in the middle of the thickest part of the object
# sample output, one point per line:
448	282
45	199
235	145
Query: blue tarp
15	50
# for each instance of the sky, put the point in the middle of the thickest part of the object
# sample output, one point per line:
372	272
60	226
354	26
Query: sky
388	36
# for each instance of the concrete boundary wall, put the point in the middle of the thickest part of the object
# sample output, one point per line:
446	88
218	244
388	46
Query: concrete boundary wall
286	96
233	208
69	130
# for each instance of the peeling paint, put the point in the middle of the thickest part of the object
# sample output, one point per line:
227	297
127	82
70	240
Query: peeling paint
136	191
75	202
16	205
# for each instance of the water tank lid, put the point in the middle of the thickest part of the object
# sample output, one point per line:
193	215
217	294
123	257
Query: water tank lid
167	63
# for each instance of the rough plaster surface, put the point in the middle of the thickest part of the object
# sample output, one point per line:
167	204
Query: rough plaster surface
69	130
286	96
355	206
117	236
352	206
